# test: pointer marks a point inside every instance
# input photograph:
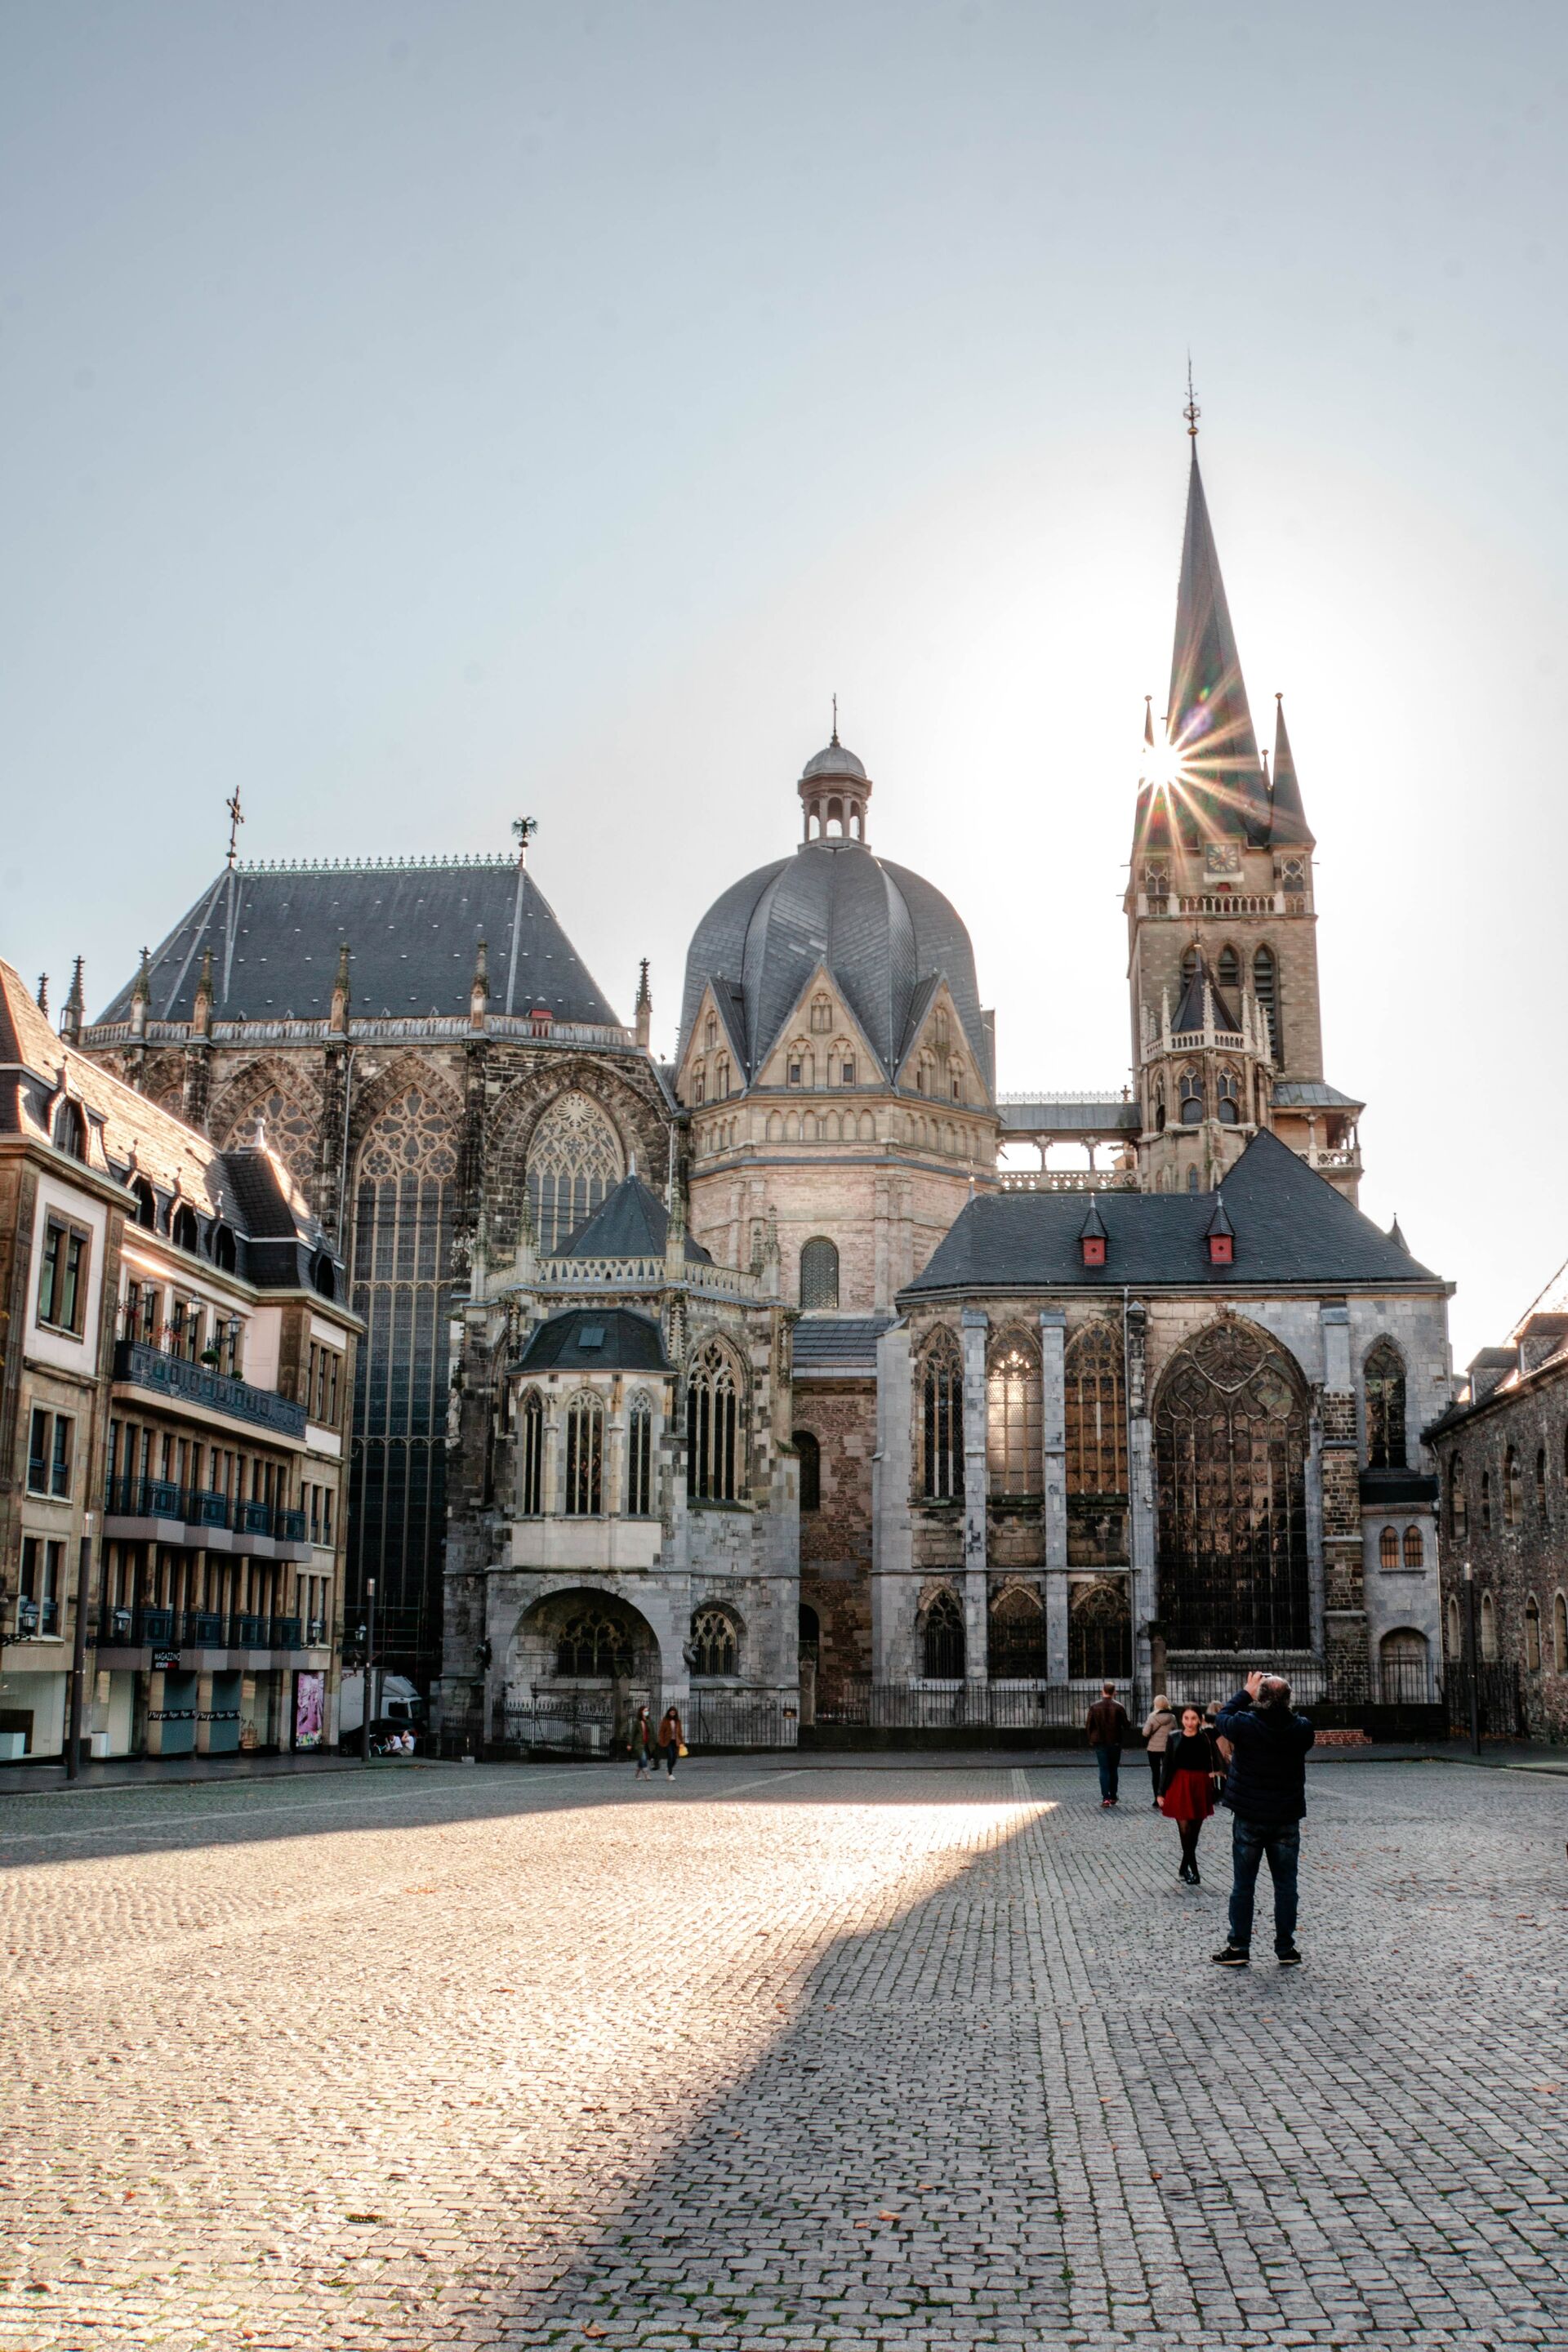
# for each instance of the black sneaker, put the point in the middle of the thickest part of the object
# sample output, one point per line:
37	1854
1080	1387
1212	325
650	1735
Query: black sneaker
1231	1956
1290	1959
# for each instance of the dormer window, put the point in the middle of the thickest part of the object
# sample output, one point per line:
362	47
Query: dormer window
1094	1249
1222	1249
71	1131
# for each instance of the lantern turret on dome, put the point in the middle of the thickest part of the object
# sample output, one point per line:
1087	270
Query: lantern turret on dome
834	792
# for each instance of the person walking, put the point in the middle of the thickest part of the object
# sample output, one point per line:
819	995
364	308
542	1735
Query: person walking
1108	1726
1266	1792
1156	1734
1191	1771
642	1744
671	1738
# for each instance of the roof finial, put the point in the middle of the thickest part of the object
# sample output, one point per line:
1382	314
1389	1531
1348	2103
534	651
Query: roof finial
834	735
524	829
43	996
235	819
1192	411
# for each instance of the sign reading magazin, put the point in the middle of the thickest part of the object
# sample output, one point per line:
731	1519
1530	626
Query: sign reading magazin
310	1709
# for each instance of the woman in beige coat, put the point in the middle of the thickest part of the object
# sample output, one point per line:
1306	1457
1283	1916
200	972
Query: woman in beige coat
1156	1732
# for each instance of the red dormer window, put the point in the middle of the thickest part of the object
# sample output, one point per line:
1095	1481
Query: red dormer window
1222	1249
1094	1249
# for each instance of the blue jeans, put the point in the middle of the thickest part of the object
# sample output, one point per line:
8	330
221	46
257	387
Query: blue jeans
1110	1762
1250	1840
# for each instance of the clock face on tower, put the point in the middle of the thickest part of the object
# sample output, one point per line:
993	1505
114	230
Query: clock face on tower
1222	858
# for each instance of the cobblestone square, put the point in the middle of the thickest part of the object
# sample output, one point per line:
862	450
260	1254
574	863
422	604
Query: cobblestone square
790	2053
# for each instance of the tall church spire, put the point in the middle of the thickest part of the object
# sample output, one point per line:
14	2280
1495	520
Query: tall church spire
1210	725
1289	829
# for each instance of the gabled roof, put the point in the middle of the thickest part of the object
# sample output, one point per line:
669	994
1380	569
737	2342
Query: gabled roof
1189	1013
595	1339
1312	1094
838	1347
1291	1227
412	930
630	1222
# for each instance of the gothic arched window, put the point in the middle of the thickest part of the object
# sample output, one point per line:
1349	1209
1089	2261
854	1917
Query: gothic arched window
1512	1490
1100	1631
820	1274
593	1641
715	1643
1013	1459
639	1457
1415	1549
1403	1658
530	1456
574	1157
821	1015
1096	1411
942	1638
403	1240
284	1125
1192	1093
1016	1636
810	1454
1230	1431
941	1420
1533	1635
584	1457
1385	1381
1458	1516
1227	972
1265	988
1228	1089
1488	1629
1456	1642
715	1468
1388	1547
1560	1634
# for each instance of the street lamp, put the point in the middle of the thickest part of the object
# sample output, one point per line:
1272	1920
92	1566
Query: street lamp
368	1666
1471	1646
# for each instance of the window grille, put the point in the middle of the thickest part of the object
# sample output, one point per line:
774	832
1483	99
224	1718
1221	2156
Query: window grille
593	1641
1099	1632
639	1458
531	1485
1404	1658
574	1159
584	1457
820	1274
1096	1411
942	1397
715	1643
714	1461
1013	1463
1388	1547
1016	1636
1384	1379
1415	1549
1230	1426
1227	972
942	1638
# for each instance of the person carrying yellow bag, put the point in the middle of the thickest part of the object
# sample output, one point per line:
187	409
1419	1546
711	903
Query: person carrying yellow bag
671	1740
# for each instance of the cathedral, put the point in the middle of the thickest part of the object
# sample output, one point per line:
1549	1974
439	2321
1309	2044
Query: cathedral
771	1381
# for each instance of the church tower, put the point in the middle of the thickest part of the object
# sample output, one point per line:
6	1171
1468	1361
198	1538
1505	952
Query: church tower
1222	930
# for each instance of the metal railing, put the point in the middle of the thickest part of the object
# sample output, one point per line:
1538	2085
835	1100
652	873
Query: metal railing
196	1507
139	1365
132	1627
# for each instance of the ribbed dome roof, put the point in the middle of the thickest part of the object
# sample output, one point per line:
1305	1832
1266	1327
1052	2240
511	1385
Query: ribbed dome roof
884	933
832	760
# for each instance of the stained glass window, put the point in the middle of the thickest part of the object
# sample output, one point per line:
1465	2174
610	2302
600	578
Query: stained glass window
639	1458
1014	1462
942	1400
715	1464
1385	1381
574	1158
942	1638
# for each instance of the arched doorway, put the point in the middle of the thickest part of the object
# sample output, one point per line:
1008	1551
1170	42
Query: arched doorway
580	1664
1230	1443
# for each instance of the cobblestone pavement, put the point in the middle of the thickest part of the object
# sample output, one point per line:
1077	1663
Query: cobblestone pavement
783	2056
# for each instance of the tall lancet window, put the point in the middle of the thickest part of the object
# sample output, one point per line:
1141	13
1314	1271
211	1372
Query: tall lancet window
574	1158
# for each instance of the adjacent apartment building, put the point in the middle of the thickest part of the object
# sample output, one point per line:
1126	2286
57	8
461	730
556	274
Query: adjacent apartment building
178	1372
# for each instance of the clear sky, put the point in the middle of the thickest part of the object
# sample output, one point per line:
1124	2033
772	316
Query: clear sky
420	413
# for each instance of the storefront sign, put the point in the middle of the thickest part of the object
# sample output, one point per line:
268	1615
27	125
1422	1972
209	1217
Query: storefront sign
165	1661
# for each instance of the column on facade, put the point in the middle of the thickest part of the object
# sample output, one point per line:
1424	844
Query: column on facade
1054	1485
1339	1478
976	1325
615	1471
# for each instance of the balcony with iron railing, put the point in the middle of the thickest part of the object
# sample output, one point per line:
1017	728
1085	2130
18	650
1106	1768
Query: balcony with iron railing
177	1381
200	1510
133	1628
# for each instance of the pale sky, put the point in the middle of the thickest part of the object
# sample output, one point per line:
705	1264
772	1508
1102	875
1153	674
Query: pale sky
426	413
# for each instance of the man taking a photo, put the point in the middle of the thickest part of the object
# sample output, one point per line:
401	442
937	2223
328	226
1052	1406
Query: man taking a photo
1265	1790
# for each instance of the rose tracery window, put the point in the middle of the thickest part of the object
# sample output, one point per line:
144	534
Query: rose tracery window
942	1638
1014	1463
1100	1631
593	1641
574	1159
715	1643
1230	1429
287	1127
1016	1636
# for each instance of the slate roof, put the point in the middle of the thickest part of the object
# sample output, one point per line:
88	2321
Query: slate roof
1083	1116
1312	1094
278	1244
595	1339
833	1347
1209	720
413	932
1292	1228
880	930
1288	827
1189	1013
630	1222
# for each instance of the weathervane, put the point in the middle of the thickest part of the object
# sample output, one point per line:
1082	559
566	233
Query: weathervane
836	718
524	829
235	819
1192	411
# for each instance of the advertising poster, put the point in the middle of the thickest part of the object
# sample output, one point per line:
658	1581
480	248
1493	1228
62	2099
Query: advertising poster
310	1709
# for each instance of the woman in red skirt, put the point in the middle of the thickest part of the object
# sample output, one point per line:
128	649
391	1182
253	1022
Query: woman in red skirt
1187	1786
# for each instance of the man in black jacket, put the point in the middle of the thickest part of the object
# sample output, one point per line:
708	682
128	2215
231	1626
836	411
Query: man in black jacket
1265	1790
1108	1729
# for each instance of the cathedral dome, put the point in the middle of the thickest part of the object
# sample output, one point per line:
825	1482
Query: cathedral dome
885	934
832	760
